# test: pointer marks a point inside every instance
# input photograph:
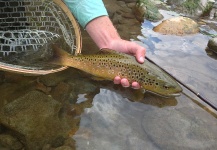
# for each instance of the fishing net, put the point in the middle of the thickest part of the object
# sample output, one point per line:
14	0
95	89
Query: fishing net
28	28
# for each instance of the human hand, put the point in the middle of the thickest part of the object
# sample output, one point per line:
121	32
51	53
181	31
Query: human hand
105	35
132	49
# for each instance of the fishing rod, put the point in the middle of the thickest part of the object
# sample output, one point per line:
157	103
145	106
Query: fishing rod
187	87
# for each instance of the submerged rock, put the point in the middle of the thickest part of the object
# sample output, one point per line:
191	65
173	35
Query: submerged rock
212	44
180	129
10	142
34	117
177	26
146	9
194	8
63	148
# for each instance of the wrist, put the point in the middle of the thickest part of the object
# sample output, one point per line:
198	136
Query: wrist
103	32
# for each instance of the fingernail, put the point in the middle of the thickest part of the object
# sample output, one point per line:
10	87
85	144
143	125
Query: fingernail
125	85
141	59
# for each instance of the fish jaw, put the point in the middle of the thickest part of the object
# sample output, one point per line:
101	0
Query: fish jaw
171	90
165	95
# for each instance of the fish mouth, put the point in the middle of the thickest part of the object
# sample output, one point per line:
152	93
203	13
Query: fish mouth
174	95
165	96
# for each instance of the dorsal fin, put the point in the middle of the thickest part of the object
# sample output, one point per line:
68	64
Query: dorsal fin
113	52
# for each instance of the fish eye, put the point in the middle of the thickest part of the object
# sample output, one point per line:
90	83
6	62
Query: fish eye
167	86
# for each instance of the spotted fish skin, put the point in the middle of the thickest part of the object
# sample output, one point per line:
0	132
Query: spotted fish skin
108	64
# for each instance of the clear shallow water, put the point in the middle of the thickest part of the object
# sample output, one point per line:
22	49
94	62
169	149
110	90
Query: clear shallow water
114	122
184	57
98	115
121	122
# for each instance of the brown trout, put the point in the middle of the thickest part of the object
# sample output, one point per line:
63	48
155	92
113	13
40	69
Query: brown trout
108	64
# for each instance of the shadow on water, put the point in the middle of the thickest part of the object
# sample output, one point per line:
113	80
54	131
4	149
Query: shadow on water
141	96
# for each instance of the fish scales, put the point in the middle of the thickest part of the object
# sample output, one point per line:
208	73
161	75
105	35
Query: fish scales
109	64
109	67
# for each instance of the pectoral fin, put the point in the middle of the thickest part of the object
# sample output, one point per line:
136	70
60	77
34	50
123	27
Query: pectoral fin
106	51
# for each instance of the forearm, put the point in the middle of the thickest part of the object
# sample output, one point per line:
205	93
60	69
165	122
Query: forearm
86	10
92	16
102	32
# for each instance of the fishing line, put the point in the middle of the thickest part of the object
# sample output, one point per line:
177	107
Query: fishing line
187	87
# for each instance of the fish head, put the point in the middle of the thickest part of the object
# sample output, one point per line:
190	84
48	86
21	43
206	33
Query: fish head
166	87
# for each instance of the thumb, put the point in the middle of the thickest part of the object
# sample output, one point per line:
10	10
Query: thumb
140	54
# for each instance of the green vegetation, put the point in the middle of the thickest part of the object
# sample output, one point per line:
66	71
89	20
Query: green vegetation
150	11
191	5
208	8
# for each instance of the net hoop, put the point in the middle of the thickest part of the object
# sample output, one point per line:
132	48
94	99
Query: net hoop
78	44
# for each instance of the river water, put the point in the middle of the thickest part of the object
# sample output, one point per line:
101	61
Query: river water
185	57
118	121
101	115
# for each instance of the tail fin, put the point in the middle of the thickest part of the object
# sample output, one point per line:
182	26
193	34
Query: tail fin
59	55
58	52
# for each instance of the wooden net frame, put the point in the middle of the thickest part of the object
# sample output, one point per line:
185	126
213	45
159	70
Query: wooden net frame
77	44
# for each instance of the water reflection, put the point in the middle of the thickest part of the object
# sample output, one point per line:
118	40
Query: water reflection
114	122
100	115
184	57
141	96
117	120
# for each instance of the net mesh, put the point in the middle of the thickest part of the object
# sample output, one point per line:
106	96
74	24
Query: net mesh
28	27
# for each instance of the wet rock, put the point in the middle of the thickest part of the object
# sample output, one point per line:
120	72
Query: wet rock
59	141
41	87
117	18
13	87
123	18
180	129
10	142
35	118
121	3
193	8
128	15
61	92
54	78
175	2
146	9
63	148
213	10
131	5
2	77
70	142
46	147
177	26
1	128
128	1
17	78
84	86
212	44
